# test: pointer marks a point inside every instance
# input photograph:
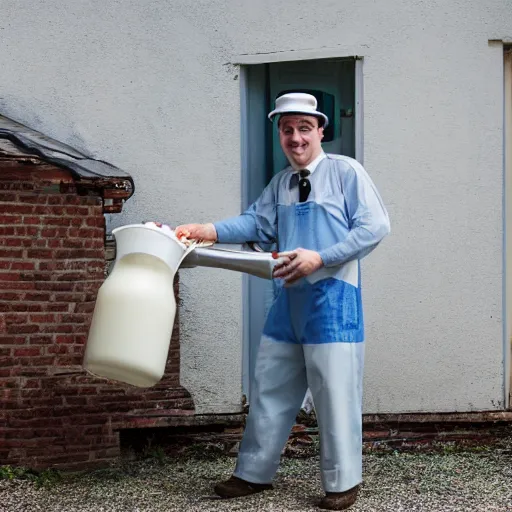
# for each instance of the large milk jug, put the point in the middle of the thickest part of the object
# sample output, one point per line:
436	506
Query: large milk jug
135	308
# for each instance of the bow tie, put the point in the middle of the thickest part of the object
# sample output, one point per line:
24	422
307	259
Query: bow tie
304	185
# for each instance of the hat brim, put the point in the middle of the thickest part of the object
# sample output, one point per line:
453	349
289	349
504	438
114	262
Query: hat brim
276	112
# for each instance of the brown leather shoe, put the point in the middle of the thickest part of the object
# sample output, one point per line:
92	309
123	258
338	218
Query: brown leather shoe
339	500
238	488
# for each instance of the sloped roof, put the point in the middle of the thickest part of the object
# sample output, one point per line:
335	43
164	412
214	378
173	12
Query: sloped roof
25	142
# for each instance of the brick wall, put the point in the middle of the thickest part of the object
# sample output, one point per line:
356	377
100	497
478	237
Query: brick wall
52	262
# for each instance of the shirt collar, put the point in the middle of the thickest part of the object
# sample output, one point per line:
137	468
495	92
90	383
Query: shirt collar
313	165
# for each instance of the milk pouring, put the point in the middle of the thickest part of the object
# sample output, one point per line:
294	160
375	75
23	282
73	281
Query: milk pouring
135	308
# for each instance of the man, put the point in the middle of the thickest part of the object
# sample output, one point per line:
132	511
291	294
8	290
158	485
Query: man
325	214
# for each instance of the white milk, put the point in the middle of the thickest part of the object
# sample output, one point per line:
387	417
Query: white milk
133	320
135	308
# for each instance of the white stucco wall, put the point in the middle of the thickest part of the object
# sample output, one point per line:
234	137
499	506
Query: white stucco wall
150	87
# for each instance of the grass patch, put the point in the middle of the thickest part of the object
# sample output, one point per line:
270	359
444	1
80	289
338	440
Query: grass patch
45	478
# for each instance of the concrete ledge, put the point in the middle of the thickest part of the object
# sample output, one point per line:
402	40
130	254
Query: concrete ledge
480	417
189	420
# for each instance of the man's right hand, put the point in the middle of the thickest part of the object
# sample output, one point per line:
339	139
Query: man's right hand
199	232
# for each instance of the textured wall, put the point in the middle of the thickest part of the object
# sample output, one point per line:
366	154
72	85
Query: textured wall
150	87
51	265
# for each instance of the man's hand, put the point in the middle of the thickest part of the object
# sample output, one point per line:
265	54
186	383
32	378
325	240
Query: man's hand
302	263
199	232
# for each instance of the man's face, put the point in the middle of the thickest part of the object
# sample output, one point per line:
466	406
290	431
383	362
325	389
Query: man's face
300	137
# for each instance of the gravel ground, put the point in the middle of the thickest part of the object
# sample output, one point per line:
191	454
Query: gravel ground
450	480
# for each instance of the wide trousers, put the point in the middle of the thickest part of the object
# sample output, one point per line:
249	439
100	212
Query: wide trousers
283	372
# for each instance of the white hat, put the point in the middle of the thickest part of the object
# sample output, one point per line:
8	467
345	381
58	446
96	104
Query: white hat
297	103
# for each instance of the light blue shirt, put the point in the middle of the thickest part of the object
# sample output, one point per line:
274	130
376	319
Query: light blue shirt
347	218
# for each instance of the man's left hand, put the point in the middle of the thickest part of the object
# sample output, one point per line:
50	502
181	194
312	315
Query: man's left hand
302	263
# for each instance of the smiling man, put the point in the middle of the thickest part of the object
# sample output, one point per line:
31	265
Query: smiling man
325	215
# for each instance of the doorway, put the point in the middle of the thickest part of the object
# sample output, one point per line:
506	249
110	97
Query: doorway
507	138
337	85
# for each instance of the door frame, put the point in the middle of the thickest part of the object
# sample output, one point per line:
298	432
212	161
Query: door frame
507	204
359	111
244	158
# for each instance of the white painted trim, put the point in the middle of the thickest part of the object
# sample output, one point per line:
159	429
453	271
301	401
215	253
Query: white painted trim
359	108
501	40
336	52
507	156
244	164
